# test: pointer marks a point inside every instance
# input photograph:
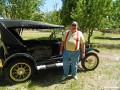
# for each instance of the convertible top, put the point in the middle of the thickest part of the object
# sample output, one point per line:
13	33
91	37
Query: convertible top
8	23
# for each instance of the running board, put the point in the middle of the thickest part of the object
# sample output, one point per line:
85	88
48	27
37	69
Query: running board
49	66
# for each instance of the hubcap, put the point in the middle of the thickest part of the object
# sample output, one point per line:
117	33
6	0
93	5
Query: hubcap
20	72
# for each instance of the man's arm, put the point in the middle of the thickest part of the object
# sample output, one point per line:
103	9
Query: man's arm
82	45
61	47
83	50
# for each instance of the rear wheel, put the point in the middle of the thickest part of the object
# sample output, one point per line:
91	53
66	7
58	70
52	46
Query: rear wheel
19	70
90	62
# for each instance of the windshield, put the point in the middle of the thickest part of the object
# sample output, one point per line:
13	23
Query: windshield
43	34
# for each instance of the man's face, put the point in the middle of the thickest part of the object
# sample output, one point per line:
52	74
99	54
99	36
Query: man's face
74	26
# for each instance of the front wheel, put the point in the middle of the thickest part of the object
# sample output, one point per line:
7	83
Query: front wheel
19	70
90	62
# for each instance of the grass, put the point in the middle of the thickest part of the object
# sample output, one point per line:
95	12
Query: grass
97	37
34	34
109	40
106	75
38	34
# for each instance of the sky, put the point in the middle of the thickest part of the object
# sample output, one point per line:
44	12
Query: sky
49	5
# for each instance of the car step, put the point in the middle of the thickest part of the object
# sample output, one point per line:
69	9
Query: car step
49	66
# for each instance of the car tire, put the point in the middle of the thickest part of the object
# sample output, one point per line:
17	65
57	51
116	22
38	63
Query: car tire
19	70
90	62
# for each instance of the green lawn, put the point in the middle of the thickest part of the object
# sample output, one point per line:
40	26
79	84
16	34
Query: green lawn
105	77
108	38
29	34
34	34
97	37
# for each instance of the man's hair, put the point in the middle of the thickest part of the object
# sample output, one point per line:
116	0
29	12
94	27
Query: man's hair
74	22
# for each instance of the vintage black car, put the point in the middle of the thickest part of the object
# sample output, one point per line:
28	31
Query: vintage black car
19	58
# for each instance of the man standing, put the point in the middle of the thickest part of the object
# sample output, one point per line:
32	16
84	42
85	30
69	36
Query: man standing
70	51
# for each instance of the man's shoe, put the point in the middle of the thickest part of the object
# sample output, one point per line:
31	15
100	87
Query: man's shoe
75	77
63	78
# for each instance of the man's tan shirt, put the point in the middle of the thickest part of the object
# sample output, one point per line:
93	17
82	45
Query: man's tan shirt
71	40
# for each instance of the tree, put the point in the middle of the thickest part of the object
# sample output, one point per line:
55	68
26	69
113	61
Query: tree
53	16
67	7
2	6
115	16
90	14
21	9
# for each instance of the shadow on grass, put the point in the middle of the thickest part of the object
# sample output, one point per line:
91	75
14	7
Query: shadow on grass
42	78
49	77
107	46
108	38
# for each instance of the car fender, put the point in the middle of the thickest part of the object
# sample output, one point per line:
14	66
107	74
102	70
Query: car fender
19	55
91	49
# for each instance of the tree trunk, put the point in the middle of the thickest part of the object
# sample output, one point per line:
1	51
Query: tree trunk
89	35
89	39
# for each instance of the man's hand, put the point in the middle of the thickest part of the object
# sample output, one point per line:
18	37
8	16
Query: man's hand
61	47
83	55
60	52
83	50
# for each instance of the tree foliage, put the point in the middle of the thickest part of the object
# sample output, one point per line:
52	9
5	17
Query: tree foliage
115	16
1	7
53	16
92	14
67	7
21	9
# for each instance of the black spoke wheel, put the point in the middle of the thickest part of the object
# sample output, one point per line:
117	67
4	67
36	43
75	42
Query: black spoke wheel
19	70
90	62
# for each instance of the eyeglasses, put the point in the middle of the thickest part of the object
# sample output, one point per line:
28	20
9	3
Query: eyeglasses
74	25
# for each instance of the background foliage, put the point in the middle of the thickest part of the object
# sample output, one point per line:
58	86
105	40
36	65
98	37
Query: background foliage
102	15
21	9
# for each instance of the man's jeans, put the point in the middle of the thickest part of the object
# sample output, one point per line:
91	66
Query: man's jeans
70	57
